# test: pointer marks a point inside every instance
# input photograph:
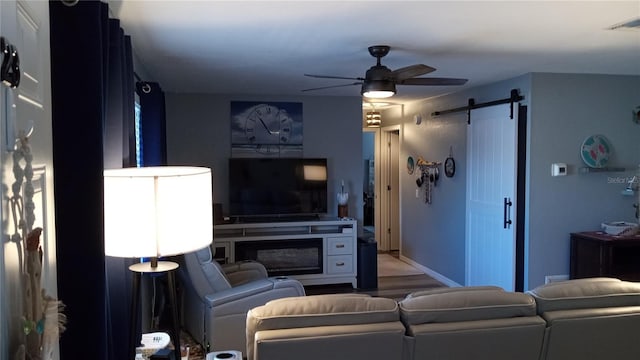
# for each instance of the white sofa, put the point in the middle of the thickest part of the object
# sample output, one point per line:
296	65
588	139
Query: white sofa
591	319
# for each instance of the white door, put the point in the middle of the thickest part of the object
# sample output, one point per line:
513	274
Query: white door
491	203
26	110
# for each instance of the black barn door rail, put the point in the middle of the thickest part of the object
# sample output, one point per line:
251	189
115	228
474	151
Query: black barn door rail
515	97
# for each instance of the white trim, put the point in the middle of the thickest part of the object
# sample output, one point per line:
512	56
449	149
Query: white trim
434	274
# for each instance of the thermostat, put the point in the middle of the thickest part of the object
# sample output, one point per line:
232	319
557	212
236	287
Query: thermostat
558	169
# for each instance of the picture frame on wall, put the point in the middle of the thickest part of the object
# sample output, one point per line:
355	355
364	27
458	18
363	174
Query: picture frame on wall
270	129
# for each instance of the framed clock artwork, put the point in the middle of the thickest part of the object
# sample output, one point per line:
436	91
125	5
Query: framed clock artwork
266	129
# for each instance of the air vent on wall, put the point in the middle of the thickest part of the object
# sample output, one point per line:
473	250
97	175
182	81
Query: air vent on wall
627	25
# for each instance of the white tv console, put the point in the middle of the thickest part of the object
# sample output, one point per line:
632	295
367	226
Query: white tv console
339	245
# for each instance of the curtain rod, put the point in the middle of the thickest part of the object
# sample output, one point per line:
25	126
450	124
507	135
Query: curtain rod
514	97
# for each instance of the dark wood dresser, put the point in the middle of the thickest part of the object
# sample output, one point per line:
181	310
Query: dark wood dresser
595	253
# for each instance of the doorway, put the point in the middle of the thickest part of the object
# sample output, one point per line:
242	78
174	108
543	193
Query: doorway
381	168
389	189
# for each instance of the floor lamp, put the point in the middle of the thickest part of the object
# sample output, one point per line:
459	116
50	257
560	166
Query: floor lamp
152	212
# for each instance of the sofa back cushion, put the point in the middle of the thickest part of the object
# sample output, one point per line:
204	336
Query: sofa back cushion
205	274
586	294
323	310
460	305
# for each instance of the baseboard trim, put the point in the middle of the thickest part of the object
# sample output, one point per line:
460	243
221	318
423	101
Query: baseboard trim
434	274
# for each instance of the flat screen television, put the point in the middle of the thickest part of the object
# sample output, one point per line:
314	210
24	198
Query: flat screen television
260	187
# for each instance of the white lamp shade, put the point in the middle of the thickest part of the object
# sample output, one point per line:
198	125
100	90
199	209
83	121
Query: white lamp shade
157	211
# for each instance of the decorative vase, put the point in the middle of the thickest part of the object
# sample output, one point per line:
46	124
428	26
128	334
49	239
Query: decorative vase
343	207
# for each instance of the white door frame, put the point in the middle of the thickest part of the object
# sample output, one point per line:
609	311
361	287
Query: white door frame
382	201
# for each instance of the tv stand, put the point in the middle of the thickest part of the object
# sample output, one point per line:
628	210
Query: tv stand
338	248
275	218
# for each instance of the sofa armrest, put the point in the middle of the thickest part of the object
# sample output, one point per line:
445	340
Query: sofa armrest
250	289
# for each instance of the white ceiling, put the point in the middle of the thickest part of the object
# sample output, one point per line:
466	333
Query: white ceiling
265	47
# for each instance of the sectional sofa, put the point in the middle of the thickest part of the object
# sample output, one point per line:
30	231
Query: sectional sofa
597	318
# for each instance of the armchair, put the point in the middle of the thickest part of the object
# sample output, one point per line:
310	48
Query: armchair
216	298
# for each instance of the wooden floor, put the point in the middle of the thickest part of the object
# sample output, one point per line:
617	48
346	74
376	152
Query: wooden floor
394	287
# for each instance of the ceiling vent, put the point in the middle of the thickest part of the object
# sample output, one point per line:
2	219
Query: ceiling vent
627	25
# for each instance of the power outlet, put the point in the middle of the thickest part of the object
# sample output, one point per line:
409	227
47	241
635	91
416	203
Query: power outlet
555	278
417	193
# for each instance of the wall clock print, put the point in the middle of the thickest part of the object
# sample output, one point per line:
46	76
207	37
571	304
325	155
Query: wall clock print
266	129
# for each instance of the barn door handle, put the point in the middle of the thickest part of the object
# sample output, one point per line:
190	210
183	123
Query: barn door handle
507	213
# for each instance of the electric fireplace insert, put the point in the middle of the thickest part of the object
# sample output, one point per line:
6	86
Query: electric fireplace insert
283	257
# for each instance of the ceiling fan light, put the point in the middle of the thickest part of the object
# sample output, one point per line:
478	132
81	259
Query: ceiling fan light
378	89
373	119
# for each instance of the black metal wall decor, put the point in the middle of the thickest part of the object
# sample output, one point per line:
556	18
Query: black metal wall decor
10	68
513	98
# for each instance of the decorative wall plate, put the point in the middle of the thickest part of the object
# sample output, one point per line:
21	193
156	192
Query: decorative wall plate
595	151
449	167
411	166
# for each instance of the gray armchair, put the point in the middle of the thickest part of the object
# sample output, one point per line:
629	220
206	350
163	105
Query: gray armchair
216	298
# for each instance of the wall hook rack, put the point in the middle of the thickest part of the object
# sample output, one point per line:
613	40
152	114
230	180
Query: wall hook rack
429	176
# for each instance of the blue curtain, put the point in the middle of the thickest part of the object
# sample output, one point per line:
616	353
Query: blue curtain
152	123
92	116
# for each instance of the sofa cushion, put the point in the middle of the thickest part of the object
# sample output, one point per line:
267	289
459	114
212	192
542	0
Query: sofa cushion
323	310
460	305
586	294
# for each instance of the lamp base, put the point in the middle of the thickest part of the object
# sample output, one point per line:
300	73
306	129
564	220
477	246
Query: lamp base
145	267
154	266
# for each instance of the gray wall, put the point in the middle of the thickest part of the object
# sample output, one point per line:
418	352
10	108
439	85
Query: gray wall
198	133
563	110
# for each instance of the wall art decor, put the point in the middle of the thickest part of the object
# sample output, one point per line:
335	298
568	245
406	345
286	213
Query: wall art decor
266	129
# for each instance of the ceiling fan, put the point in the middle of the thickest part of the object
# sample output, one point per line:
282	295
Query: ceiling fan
380	81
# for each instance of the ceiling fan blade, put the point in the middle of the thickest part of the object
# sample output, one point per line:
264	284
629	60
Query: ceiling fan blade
411	71
332	77
432	81
332	86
